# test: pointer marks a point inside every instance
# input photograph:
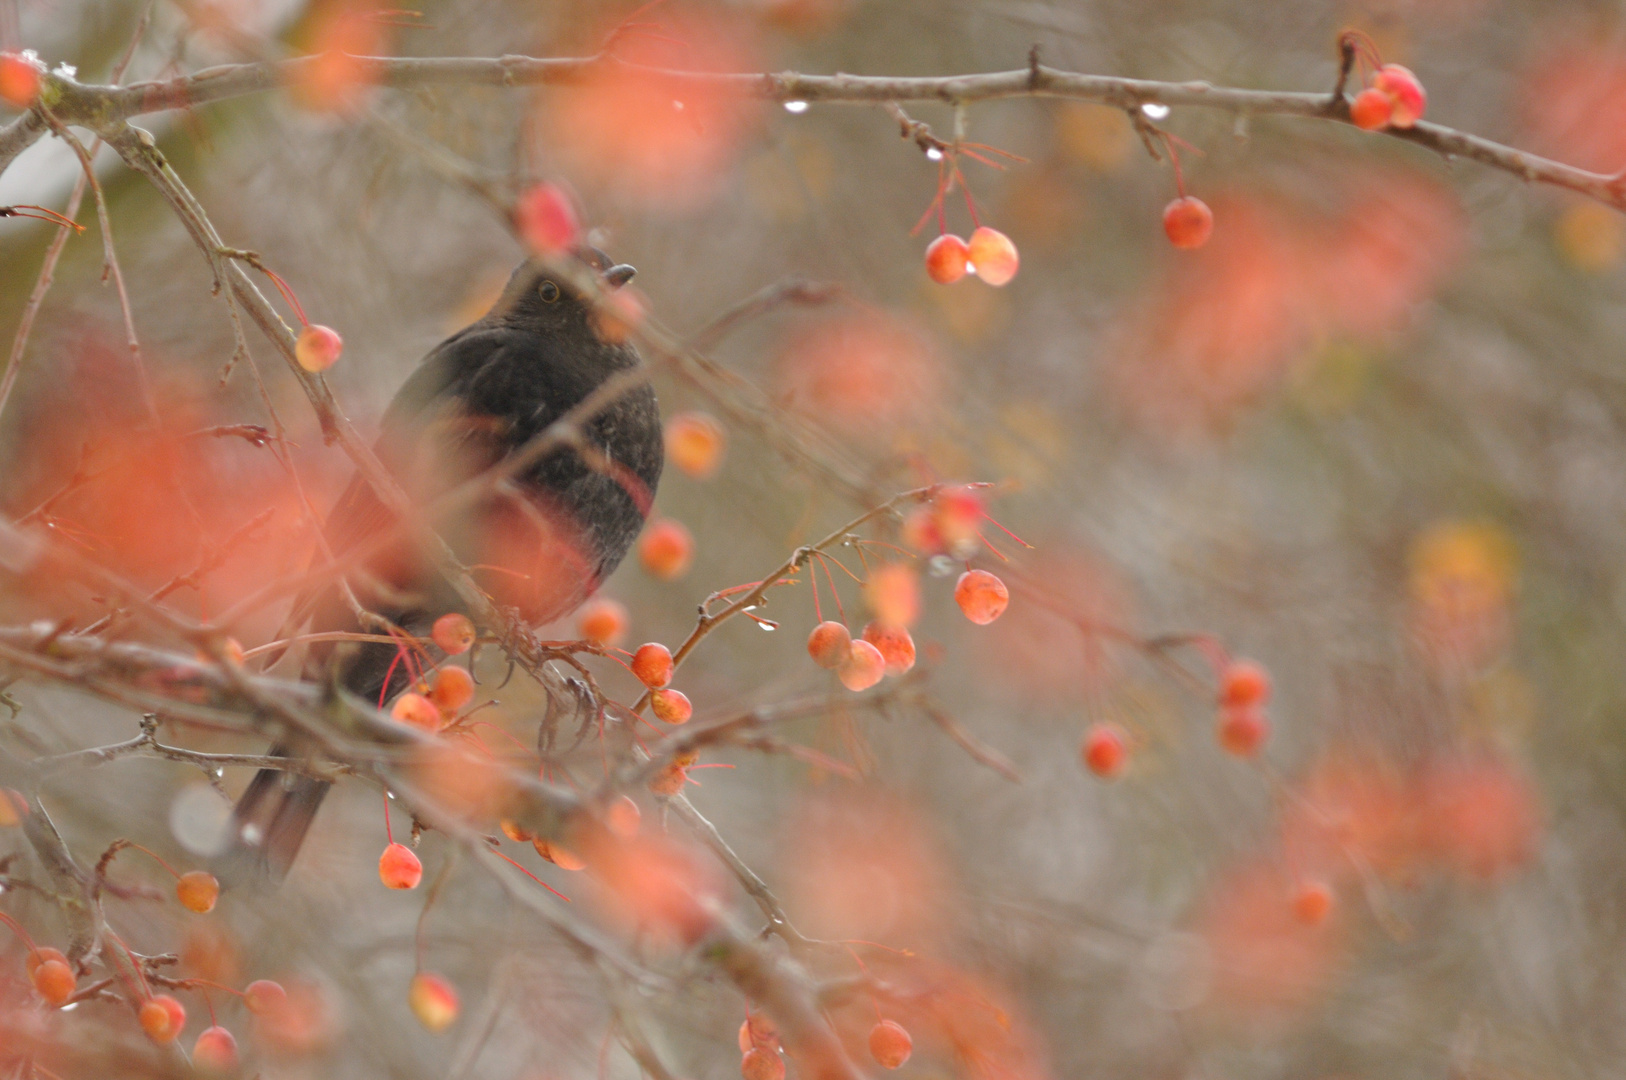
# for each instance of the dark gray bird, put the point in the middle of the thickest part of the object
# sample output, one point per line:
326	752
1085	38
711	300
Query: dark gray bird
541	543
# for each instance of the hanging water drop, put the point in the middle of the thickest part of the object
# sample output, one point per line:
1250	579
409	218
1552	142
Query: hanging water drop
796	107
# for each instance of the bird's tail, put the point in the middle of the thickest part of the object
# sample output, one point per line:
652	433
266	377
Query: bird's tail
271	819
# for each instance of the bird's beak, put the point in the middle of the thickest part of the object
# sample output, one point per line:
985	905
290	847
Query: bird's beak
618	275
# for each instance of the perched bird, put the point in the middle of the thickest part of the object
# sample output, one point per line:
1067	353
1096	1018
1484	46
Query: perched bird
540	542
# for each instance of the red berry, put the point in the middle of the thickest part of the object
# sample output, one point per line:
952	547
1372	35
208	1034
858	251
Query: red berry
981	596
1371	109
40	956
947	259
761	1063
863	668
893	593
666	549
993	255
162	1018
563	858
318	347
602	621
652	665
829	644
399	868
197	890
19	80
1242	729
55	981
1405	91
1106	750
415	710
623	816
264	996
453	633
694	443
433	1001
758	1030
897	648
670	706
453	689
1312	902
1188	221
890	1044
215	1051
514	831
1244	682
546	220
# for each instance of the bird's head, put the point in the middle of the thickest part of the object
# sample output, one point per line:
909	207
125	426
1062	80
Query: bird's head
538	298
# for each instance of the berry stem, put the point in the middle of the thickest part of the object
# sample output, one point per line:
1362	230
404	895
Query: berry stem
17	928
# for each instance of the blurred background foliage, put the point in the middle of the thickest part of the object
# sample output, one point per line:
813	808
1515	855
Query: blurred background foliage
1373	435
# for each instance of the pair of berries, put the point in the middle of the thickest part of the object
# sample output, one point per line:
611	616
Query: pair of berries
1395	98
989	252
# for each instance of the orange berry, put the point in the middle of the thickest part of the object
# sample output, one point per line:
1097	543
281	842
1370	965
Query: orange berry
19	80
417	711
197	890
666	549
897	648
652	664
1188	222
893	594
514	831
890	1044
55	981
669	781
919	531
618	315
215	1051
947	259
546	220
623	816
563	858
829	644
453	633
1312	902
453	689
318	347
1244	682
433	1001
399	868
1371	109
863	667
1242	729
1106	750
670	706
757	1029
694	444
162	1018
40	956
993	255
264	996
982	596
602	621
1405	91
760	1063
957	514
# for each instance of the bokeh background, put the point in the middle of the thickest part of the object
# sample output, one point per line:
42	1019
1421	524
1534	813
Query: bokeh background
1372	435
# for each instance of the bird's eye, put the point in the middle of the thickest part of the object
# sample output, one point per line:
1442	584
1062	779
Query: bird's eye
548	291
